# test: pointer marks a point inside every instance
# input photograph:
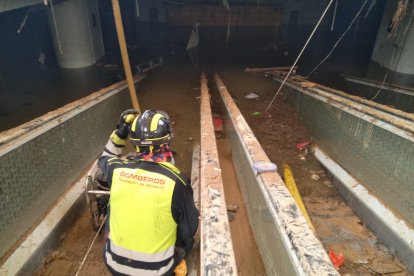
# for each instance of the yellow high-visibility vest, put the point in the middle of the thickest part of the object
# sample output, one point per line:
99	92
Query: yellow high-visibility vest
140	214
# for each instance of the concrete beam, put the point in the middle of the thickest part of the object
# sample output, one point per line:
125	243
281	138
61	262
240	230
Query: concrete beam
216	250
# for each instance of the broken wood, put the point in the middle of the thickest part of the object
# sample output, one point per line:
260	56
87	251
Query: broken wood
269	69
306	84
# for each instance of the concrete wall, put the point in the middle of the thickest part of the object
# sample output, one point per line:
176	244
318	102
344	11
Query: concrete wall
379	154
395	53
77	34
43	157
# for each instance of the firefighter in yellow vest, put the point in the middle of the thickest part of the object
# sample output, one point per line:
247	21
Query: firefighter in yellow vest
152	216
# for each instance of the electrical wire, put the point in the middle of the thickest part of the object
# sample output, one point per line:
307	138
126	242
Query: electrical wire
340	38
334	15
90	246
300	54
382	85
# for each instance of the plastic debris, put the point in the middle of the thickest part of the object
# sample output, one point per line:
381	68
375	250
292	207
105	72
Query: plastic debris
264	166
251	96
303	145
218	124
257	113
315	177
337	260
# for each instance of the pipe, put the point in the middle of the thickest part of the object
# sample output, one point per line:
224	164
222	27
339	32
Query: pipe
124	54
293	189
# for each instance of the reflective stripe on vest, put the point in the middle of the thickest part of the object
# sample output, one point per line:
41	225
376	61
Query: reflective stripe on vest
124	269
141	224
143	257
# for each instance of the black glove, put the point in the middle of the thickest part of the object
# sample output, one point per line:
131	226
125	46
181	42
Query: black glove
125	121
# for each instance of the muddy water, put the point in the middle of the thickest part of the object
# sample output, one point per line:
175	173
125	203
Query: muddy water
246	252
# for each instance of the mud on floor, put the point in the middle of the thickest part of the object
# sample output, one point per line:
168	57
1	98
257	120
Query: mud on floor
68	257
338	228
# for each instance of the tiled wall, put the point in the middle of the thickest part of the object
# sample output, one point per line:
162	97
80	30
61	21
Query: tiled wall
35	174
380	159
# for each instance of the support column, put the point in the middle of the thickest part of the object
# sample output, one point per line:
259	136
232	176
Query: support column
395	53
76	31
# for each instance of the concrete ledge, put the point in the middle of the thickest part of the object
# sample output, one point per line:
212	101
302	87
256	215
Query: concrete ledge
216	249
46	236
396	234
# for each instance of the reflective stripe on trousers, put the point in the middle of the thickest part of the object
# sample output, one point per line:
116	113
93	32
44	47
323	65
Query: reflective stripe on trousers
135	271
110	260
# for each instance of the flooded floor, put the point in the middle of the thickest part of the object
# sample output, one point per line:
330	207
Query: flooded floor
175	89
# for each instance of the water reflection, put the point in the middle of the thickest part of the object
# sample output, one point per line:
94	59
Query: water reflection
33	92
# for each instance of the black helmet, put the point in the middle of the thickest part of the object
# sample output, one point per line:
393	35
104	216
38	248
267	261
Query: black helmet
151	128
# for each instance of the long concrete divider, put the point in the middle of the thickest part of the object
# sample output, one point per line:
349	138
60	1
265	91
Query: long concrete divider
41	160
286	242
216	249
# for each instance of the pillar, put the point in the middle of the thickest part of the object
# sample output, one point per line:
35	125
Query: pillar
76	32
395	53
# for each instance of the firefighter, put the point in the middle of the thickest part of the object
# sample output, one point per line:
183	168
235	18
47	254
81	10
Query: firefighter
152	217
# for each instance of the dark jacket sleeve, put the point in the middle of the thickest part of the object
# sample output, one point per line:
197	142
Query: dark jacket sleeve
185	214
110	154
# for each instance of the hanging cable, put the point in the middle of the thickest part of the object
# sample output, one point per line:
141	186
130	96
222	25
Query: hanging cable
382	85
24	20
334	15
340	38
370	8
90	246
300	54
